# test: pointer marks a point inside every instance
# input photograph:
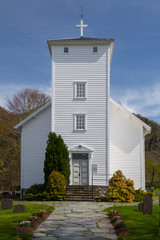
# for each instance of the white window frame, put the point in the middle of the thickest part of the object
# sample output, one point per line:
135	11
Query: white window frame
75	90
75	122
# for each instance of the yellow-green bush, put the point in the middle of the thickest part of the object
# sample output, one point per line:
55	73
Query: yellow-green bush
120	188
56	184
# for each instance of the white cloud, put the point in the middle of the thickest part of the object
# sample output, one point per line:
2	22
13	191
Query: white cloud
144	100
8	90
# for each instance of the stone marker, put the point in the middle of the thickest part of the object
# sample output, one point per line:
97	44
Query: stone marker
147	205
140	207
19	208
6	204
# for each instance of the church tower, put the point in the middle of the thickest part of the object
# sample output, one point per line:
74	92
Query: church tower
80	104
101	135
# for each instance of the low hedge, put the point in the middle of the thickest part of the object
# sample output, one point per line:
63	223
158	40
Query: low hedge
45	196
140	195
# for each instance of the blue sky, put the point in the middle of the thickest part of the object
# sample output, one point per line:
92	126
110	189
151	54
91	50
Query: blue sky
26	25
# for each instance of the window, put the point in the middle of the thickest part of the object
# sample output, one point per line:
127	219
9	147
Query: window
66	50
81	156
80	90
95	49
79	122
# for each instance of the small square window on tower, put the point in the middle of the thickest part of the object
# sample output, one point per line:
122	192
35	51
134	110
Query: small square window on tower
66	50
95	49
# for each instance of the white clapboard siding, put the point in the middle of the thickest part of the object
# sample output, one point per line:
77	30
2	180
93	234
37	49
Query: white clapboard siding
126	146
81	64
34	137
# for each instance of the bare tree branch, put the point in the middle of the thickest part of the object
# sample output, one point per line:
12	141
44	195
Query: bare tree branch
26	101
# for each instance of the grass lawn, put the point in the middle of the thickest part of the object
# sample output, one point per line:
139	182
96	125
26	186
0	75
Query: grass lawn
142	227
9	221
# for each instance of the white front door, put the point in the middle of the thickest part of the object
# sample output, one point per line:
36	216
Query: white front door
80	168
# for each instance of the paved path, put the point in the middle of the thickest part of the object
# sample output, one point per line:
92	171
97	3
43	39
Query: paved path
78	221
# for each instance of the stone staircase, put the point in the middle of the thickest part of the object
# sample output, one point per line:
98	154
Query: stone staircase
79	193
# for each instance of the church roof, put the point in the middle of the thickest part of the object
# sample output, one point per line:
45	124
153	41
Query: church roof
80	148
118	106
32	115
80	41
131	115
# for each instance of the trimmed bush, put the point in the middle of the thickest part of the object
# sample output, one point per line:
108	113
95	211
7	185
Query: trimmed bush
45	196
120	188
56	157
56	184
36	188
140	195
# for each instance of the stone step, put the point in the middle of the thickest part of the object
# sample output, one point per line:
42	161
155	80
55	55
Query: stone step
79	193
79	187
79	199
80	196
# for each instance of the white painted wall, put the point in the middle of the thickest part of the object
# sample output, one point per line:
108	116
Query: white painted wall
34	141
81	64
127	146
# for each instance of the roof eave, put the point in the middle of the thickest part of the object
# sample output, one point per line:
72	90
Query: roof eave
146	127
18	127
80	41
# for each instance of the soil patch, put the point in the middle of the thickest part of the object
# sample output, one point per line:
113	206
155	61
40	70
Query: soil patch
35	225
120	231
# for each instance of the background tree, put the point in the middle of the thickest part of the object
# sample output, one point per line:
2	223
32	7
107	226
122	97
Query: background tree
24	103
152	167
27	101
152	153
9	150
56	157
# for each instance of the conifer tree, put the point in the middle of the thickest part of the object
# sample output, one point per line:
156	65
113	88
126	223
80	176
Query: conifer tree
56	157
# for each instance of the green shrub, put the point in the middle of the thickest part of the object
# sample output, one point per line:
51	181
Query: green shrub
120	224
36	188
120	188
56	157
56	184
139	198
140	195
45	196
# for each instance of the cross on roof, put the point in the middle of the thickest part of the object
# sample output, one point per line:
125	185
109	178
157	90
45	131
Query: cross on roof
82	25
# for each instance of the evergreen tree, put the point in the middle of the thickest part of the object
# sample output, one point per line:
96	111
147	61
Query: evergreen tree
56	157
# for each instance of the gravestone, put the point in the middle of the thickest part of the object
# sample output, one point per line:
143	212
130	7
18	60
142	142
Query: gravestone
6	204
19	208
140	207
147	205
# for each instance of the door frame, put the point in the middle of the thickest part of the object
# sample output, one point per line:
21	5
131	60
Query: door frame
80	177
81	149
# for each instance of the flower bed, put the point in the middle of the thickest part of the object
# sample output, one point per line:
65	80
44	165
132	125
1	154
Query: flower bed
118	223
33	222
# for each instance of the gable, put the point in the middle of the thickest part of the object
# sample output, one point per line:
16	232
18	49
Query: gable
147	129
33	115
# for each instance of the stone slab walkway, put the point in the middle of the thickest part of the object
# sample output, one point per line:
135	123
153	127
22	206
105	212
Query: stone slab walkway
78	221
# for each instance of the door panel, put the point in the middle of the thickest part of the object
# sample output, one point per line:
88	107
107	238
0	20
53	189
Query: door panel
80	171
76	172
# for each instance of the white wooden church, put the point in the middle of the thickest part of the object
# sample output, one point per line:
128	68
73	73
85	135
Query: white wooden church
101	135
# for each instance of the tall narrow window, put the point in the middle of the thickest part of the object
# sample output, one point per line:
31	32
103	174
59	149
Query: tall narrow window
80	90
80	122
